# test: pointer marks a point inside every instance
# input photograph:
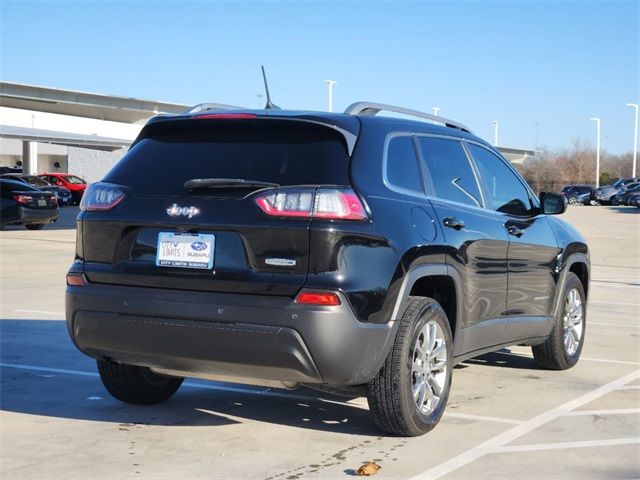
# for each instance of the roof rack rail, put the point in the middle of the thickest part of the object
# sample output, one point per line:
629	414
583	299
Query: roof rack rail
203	107
372	108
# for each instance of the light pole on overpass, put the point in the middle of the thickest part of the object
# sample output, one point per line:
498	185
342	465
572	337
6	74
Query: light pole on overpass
435	110
597	120
635	138
331	83
495	133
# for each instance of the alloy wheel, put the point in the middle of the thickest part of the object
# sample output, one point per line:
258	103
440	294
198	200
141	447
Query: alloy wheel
429	367
573	322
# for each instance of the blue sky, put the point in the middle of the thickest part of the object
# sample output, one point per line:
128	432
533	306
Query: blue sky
522	63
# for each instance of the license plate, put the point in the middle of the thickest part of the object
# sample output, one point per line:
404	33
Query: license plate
42	203
185	250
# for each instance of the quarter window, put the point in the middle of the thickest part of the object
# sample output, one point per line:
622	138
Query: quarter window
402	164
450	172
504	189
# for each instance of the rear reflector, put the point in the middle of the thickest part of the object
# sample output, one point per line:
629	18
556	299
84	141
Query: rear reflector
318	298
101	197
327	203
75	280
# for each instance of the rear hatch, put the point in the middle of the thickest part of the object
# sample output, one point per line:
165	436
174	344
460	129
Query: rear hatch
190	186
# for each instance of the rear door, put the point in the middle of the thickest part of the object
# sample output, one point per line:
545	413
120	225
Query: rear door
252	251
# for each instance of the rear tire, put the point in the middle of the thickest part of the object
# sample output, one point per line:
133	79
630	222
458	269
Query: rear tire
563	347
138	385
34	226
409	394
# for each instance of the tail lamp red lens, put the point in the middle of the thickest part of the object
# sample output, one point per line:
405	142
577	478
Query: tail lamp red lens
318	298
75	280
23	199
327	203
101	197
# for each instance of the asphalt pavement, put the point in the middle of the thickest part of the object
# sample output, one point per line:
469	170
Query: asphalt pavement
505	418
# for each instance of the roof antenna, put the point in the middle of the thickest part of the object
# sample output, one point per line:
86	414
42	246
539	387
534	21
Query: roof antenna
269	105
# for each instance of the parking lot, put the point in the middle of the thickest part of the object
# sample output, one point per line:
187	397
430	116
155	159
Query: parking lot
505	418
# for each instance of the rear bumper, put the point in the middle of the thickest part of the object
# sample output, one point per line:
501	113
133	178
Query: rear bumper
37	215
251	336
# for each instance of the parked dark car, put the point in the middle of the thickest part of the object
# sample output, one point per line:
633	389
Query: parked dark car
622	196
571	192
352	253
21	203
634	200
604	194
63	195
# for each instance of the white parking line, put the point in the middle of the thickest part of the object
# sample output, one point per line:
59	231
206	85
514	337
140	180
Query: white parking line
613	324
482	418
40	312
619	411
604	302
494	444
562	445
588	359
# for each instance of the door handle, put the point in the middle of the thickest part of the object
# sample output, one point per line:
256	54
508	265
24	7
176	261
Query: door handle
515	231
454	223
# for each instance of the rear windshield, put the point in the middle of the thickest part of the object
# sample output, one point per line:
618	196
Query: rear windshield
282	152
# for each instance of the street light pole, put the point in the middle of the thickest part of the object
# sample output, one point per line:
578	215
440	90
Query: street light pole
331	83
635	138
597	120
495	133
436	110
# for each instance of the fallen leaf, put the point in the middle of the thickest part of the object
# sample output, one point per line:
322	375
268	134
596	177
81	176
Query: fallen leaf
369	468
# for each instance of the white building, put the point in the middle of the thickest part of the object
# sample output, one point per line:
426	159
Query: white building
54	130
47	129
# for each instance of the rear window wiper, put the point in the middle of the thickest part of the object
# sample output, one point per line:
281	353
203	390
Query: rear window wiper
220	183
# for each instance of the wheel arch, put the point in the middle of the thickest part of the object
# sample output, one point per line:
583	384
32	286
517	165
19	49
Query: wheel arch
579	264
436	281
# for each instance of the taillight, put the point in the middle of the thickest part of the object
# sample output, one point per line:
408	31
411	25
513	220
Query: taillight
101	197
318	298
53	200
75	280
327	203
23	199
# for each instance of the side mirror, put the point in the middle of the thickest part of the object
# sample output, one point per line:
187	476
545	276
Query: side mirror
552	203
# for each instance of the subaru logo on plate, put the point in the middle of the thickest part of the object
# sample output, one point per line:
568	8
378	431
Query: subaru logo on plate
199	246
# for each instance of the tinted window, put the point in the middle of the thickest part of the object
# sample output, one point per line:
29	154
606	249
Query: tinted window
36	181
449	170
75	180
402	164
504	189
282	152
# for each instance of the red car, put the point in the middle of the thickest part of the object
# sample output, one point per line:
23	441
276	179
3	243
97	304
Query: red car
74	183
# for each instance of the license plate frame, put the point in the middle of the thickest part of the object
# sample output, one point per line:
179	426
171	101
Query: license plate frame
185	250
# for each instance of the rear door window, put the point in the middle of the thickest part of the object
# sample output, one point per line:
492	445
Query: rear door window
275	151
450	173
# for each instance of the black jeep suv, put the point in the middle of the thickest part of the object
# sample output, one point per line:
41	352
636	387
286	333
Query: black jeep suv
348	252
